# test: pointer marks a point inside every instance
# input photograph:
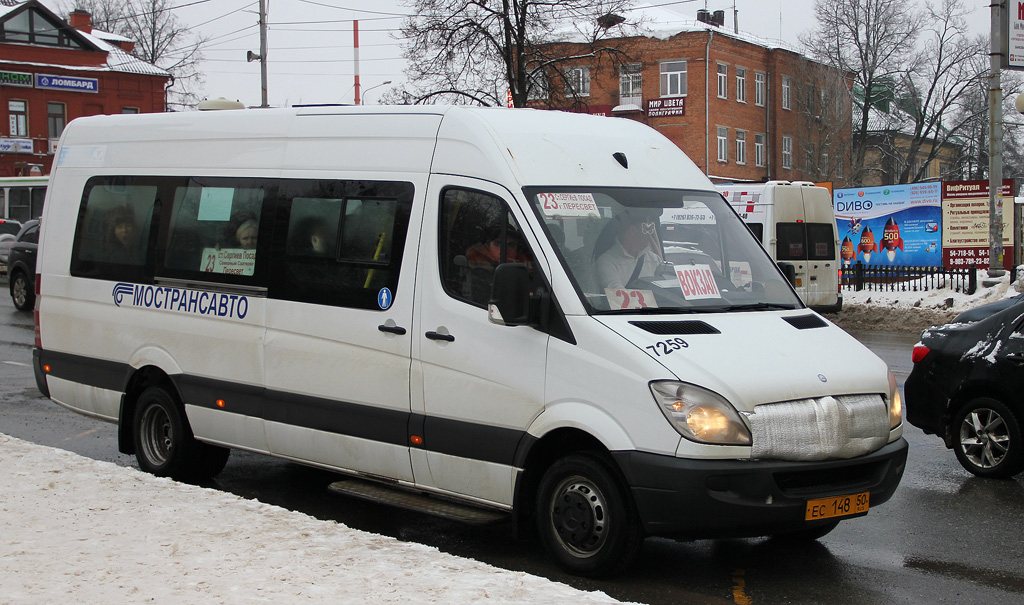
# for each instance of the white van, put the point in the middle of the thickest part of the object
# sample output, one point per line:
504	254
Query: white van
796	224
472	305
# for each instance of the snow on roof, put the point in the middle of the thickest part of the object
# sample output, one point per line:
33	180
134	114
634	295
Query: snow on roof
117	59
655	21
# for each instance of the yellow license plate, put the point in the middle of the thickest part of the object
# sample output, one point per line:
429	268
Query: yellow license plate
839	506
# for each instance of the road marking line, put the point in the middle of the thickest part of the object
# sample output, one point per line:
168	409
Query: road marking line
19	363
83	434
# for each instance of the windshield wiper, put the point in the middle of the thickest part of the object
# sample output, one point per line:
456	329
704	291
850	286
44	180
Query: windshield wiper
761	306
651	311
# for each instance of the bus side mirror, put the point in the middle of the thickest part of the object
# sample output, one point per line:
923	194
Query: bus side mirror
510	295
789	270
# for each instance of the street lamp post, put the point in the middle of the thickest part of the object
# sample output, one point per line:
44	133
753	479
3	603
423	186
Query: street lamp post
372	87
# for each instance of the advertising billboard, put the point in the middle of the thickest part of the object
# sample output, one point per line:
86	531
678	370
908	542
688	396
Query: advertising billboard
965	220
890	225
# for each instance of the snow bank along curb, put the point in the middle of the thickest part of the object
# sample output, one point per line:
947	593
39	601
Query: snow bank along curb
80	530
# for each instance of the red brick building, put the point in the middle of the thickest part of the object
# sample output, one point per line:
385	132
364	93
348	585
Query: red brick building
53	71
741	108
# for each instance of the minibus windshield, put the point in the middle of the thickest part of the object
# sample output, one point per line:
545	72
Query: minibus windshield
636	250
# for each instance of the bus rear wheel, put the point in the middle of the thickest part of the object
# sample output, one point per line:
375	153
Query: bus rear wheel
164	444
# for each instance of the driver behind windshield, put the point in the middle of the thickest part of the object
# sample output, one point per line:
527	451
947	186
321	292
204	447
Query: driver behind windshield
628	250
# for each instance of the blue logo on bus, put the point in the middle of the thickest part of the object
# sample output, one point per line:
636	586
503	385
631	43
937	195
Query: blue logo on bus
179	299
384	298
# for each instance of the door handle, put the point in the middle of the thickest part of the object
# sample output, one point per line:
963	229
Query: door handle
391	329
438	336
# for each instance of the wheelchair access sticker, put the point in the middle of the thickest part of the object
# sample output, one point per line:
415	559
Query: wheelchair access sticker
384	298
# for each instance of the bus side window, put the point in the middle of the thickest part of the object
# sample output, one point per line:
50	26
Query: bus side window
114	228
215	228
339	248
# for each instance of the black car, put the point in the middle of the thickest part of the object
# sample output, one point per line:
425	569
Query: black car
967	386
21	266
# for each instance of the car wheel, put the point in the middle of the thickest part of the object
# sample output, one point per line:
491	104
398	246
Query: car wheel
164	445
987	438
586	518
21	292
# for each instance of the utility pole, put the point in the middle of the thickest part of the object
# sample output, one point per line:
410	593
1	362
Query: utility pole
355	56
995	146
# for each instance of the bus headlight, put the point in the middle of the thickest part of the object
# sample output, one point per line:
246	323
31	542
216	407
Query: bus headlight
895	403
700	415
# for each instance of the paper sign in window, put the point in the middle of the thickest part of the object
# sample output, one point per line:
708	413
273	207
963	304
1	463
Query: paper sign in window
228	261
215	203
568	204
697	282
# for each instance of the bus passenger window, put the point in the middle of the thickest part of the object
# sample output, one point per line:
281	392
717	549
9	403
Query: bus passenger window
114	227
215	229
342	242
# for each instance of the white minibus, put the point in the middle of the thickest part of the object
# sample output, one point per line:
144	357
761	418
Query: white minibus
472	311
796	223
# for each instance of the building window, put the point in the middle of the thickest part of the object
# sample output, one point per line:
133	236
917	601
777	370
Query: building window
537	86
723	81
810	158
759	89
55	119
577	82
741	147
673	79
723	144
759	156
787	87
787	152
809	96
18	111
33	27
129	110
741	85
630	84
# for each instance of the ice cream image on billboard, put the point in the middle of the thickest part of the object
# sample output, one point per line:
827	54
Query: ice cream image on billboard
891	239
846	251
867	244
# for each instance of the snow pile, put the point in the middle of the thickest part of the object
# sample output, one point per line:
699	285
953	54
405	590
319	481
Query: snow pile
80	530
938	298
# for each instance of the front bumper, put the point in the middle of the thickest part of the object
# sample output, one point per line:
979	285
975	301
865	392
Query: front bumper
693	499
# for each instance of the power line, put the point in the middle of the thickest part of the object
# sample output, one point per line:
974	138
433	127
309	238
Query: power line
355	10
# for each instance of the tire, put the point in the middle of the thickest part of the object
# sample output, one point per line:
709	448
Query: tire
987	438
164	444
586	518
22	293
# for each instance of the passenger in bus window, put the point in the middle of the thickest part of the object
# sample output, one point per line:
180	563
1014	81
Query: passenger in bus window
120	237
247	234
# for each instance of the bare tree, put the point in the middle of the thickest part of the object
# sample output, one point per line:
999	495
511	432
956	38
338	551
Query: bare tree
874	40
972	112
159	36
473	51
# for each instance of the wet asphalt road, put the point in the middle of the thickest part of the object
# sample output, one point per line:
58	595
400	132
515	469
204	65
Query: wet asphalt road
945	537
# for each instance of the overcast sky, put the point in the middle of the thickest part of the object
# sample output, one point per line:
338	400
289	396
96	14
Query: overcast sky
311	58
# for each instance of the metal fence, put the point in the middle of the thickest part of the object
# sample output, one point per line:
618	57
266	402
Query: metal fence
897	278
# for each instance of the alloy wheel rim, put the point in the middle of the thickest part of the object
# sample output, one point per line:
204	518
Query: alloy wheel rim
984	438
